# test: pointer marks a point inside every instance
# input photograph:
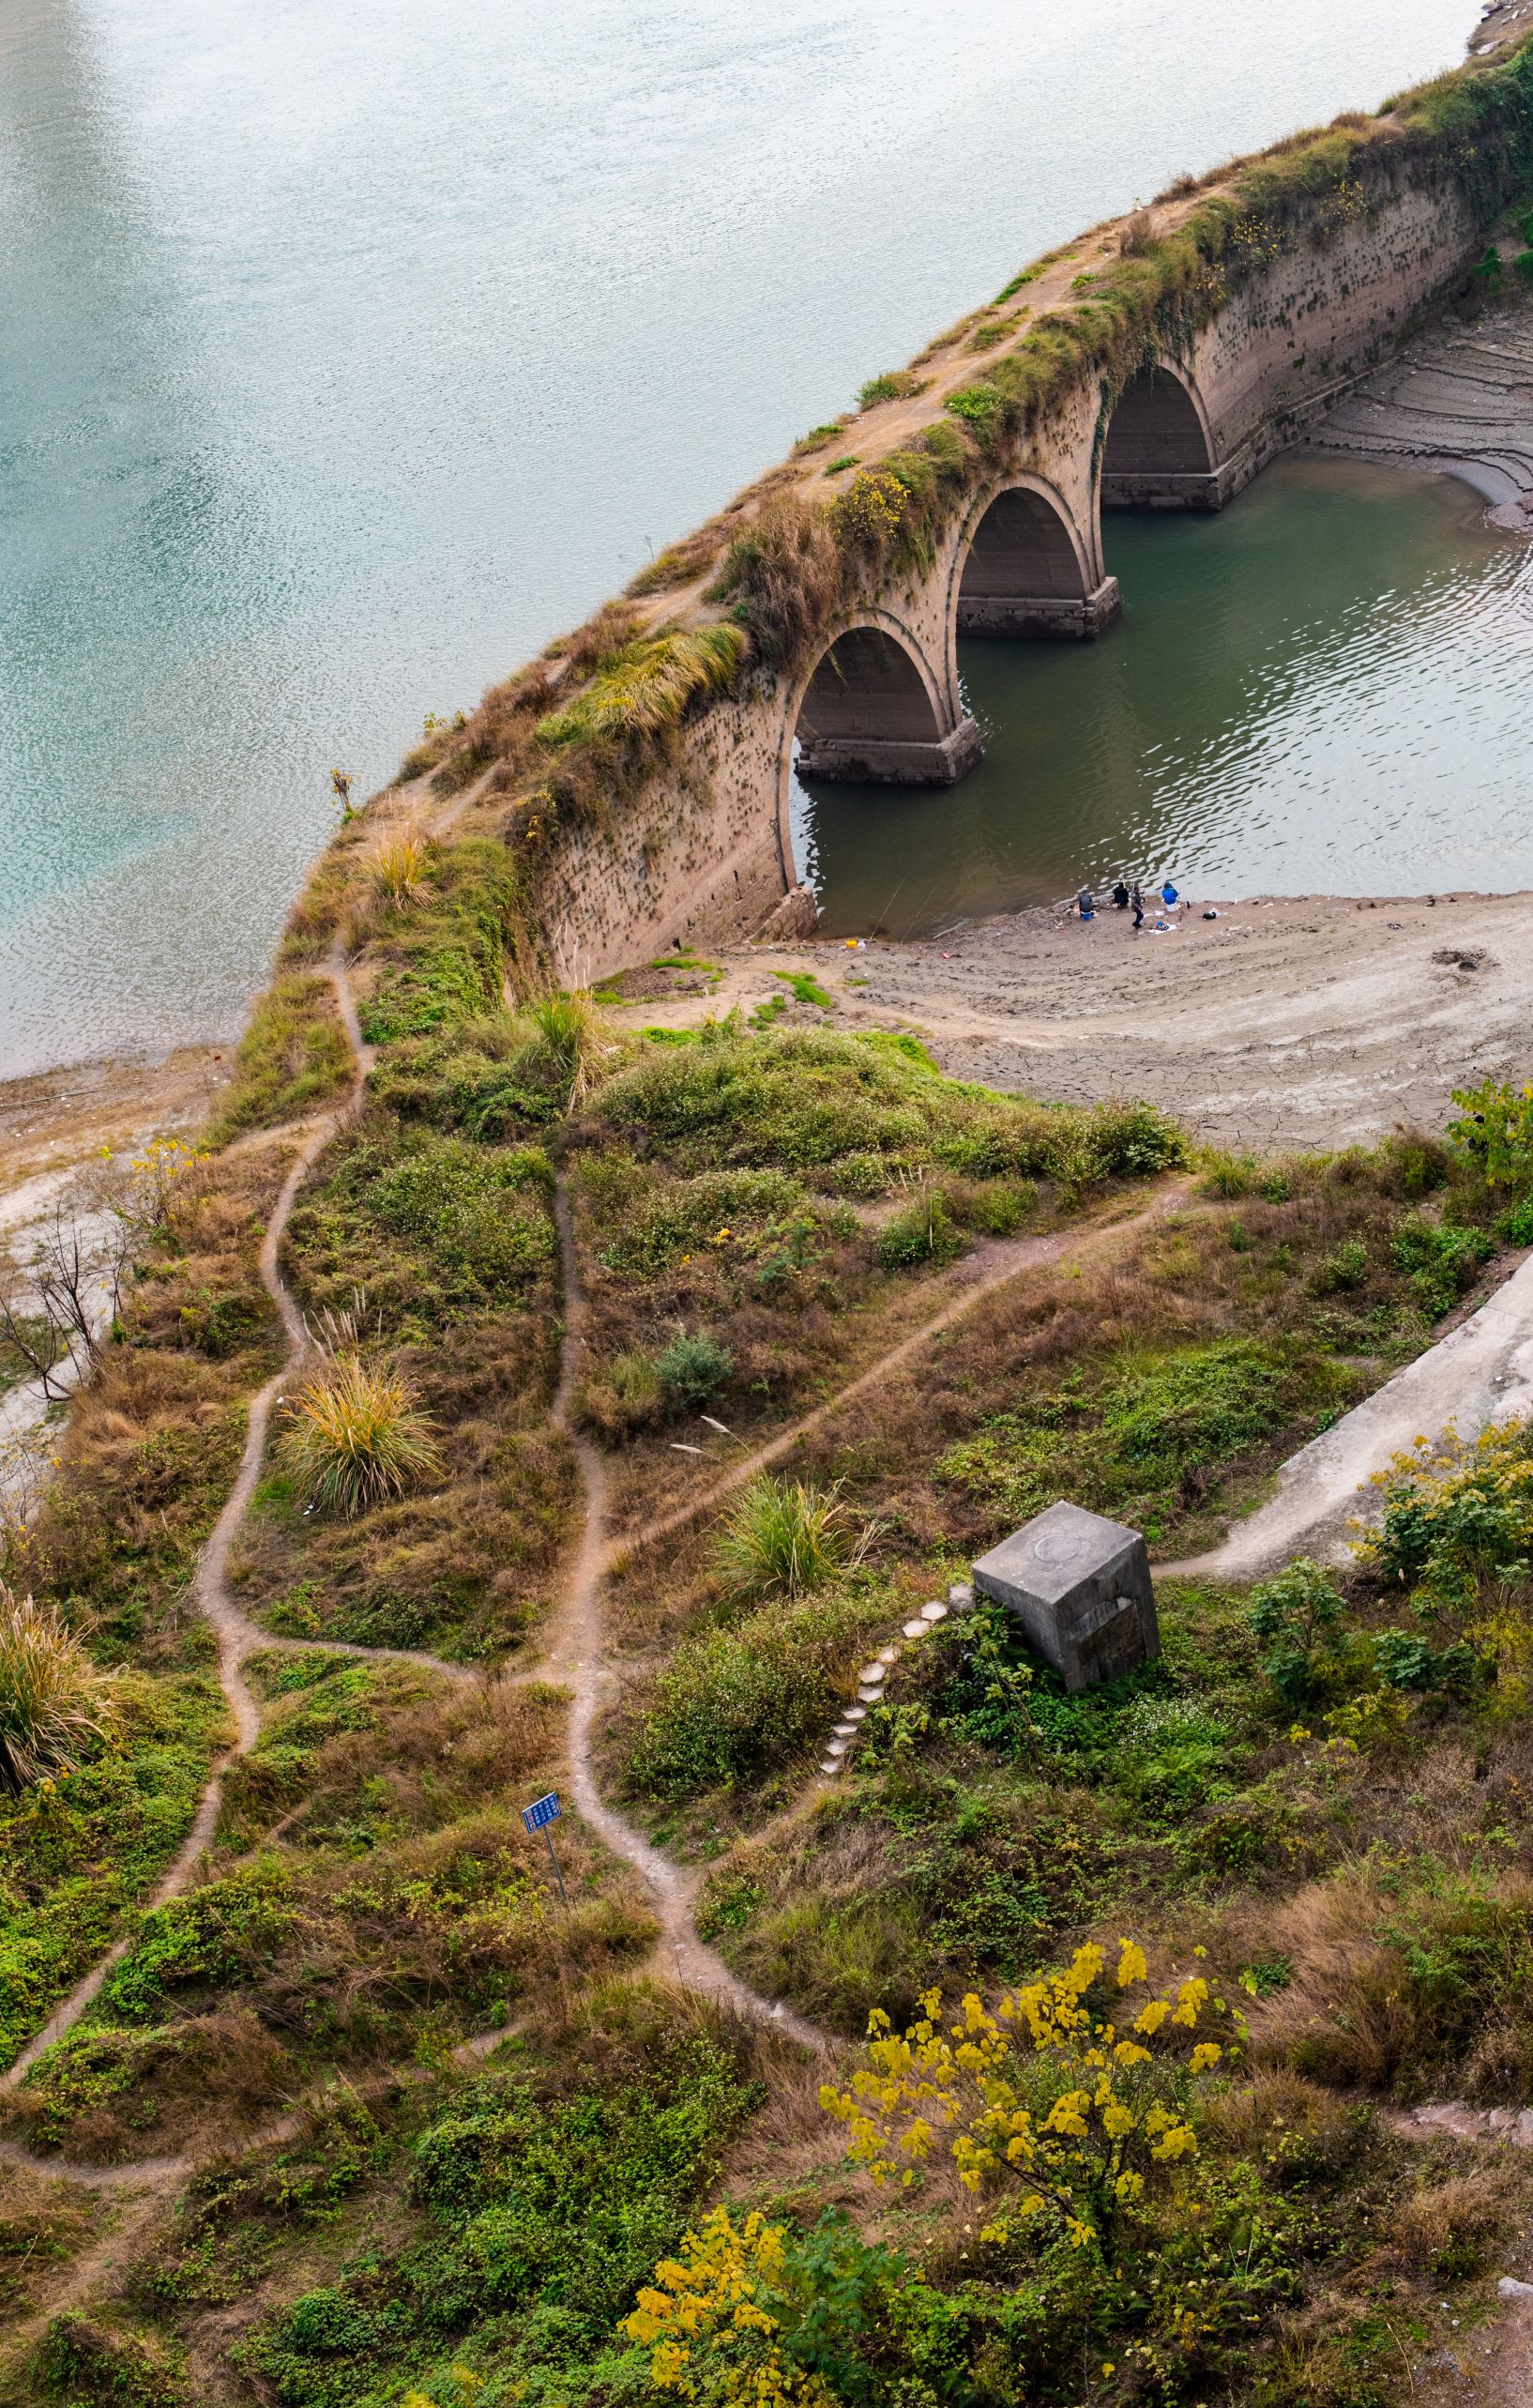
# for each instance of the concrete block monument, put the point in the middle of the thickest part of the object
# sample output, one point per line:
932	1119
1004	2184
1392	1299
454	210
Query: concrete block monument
1080	1586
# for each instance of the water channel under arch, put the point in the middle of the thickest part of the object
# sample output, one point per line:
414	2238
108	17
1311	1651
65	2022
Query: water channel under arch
1323	688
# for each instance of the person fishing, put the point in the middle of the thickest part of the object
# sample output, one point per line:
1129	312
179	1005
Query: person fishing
1086	903
1169	895
1120	896
1137	901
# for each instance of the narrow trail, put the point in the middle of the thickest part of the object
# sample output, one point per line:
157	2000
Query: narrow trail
237	1636
575	1657
1019	1256
580	1662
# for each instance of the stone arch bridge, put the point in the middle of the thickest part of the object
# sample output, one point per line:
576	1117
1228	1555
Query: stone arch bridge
703	853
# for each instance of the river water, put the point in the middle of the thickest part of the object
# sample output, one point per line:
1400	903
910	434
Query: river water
348	352
1326	688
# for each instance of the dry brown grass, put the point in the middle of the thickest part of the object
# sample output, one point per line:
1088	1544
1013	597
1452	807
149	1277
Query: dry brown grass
363	1956
1137	234
153	1442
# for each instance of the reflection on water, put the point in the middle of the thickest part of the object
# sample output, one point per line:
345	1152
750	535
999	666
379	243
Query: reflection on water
348	353
1326	688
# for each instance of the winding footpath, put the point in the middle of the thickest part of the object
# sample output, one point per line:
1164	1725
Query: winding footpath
575	1658
1481	1370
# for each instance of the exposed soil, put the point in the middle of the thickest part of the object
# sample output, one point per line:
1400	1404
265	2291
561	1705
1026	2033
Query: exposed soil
57	1118
1283	1023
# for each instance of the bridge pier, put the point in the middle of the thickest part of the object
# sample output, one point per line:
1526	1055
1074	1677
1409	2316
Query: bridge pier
1060	616
892	760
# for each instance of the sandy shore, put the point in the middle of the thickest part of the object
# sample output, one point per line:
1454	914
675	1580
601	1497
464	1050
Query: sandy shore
1281	1023
55	1120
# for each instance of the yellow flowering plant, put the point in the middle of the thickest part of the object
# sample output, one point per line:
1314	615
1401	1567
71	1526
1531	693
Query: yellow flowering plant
708	2323
1071	2111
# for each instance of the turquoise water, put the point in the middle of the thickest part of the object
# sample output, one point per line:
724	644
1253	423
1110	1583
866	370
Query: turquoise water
348	352
1327	687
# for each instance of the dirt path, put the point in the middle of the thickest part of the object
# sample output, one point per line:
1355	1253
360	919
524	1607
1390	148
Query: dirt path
238	1637
987	1272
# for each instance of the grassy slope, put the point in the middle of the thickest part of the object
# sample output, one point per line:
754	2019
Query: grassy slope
373	1897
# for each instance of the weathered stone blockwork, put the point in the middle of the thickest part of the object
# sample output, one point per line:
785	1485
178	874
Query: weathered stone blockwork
703	853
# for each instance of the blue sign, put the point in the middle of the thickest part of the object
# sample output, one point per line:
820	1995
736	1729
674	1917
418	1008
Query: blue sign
542	1810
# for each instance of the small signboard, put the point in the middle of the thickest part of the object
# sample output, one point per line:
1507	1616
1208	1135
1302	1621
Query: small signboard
537	1817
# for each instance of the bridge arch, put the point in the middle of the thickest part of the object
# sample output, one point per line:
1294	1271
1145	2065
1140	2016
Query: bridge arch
872	710
1160	451
1023	567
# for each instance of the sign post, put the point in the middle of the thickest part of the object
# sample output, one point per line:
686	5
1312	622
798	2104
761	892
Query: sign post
537	1817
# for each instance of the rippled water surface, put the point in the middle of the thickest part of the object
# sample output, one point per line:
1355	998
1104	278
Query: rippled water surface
1328	686
348	352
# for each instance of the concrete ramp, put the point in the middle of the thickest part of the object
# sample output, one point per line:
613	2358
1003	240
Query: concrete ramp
1481	1373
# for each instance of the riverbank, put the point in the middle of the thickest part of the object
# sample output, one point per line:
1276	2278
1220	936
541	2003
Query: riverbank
1314	1021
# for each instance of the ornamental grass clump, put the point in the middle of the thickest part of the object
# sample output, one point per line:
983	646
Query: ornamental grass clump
645	688
357	1437
784	1536
397	866
1056	2103
53	1699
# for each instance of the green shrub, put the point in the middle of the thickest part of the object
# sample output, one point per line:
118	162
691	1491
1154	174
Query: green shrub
694	1367
734	1706
1345	1267
1516	1226
541	2217
920	1233
1494	1132
1442	1260
1299	1614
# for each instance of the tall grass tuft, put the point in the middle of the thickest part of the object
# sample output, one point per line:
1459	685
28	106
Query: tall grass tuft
647	687
357	1437
53	1698
568	1034
397	865
784	1537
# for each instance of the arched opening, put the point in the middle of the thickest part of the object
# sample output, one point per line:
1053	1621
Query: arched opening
1158	454
870	715
1025	573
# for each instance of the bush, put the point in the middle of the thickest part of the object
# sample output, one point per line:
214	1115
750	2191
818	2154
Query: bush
734	1706
694	1367
1300	1614
1442	1260
356	1438
53	1699
782	1537
1345	1267
920	1233
1494	1132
